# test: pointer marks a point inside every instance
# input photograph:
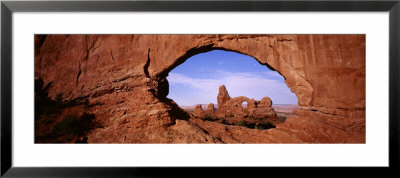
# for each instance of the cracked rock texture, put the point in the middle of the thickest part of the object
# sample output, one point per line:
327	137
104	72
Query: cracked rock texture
127	74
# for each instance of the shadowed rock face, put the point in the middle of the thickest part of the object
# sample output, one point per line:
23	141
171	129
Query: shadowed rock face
128	74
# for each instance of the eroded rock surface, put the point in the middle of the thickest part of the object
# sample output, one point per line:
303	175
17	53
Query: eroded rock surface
210	109
127	74
198	111
223	96
235	110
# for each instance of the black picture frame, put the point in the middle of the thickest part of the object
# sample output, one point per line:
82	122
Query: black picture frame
8	7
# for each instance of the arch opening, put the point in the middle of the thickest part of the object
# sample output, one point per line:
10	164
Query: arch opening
244	104
196	80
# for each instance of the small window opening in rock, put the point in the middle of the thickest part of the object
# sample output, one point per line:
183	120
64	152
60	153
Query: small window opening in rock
244	104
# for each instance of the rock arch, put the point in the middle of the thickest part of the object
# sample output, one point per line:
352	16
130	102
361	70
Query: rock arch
297	83
326	72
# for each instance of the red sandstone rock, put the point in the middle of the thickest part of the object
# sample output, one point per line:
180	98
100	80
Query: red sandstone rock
198	111
210	109
128	74
233	111
223	96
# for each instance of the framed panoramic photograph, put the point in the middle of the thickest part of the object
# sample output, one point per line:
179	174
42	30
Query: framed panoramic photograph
112	89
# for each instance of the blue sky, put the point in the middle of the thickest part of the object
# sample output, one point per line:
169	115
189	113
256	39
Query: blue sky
197	80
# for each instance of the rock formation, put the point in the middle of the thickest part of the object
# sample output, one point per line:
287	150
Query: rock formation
198	111
232	108
264	108
210	109
223	96
127	73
